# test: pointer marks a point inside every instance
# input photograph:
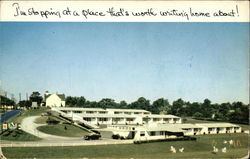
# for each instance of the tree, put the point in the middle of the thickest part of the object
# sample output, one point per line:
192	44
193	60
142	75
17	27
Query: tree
6	101
123	104
198	115
80	101
71	101
24	103
192	108
141	103
107	103
206	108
224	109
240	114
159	105
36	97
177	105
217	116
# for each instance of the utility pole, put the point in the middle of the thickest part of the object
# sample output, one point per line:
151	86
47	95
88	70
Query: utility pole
20	97
0	93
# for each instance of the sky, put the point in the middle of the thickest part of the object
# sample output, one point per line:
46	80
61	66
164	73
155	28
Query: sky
125	61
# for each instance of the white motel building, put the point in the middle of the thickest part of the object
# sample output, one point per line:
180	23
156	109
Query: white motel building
140	124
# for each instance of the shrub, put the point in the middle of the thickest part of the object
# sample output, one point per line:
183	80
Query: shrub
52	121
116	136
198	115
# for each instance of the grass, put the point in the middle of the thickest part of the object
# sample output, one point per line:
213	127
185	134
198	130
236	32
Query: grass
194	121
18	135
43	119
59	129
202	148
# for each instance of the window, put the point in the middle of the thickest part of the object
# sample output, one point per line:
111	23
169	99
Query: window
118	112
103	119
152	133
78	112
142	133
127	113
129	119
89	112
117	119
161	132
87	119
156	119
146	119
102	112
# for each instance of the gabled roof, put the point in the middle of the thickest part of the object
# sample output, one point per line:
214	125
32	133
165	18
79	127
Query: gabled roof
61	96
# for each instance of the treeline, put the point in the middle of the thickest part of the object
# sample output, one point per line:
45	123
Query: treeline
34	97
6	101
233	112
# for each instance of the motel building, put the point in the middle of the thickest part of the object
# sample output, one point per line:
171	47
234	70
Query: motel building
99	116
140	125
218	128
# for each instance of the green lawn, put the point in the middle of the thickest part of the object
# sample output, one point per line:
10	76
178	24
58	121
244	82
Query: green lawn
43	119
202	148
18	135
21	135
194	121
59	129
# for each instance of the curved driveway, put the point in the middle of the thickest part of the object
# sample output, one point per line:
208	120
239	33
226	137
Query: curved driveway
28	124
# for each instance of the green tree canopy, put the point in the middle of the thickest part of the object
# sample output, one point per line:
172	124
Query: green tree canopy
6	101
159	105
36	97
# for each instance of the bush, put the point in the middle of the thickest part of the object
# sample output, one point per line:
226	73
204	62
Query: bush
116	136
198	115
52	121
14	134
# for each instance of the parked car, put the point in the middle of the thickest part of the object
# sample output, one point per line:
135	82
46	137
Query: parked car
92	137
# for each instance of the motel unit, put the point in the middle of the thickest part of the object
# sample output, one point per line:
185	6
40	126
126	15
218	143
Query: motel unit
140	125
218	128
99	116
165	131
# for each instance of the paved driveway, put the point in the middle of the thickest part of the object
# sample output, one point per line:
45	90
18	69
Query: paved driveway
28	124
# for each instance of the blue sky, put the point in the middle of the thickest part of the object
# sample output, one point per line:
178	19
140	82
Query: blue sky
125	61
